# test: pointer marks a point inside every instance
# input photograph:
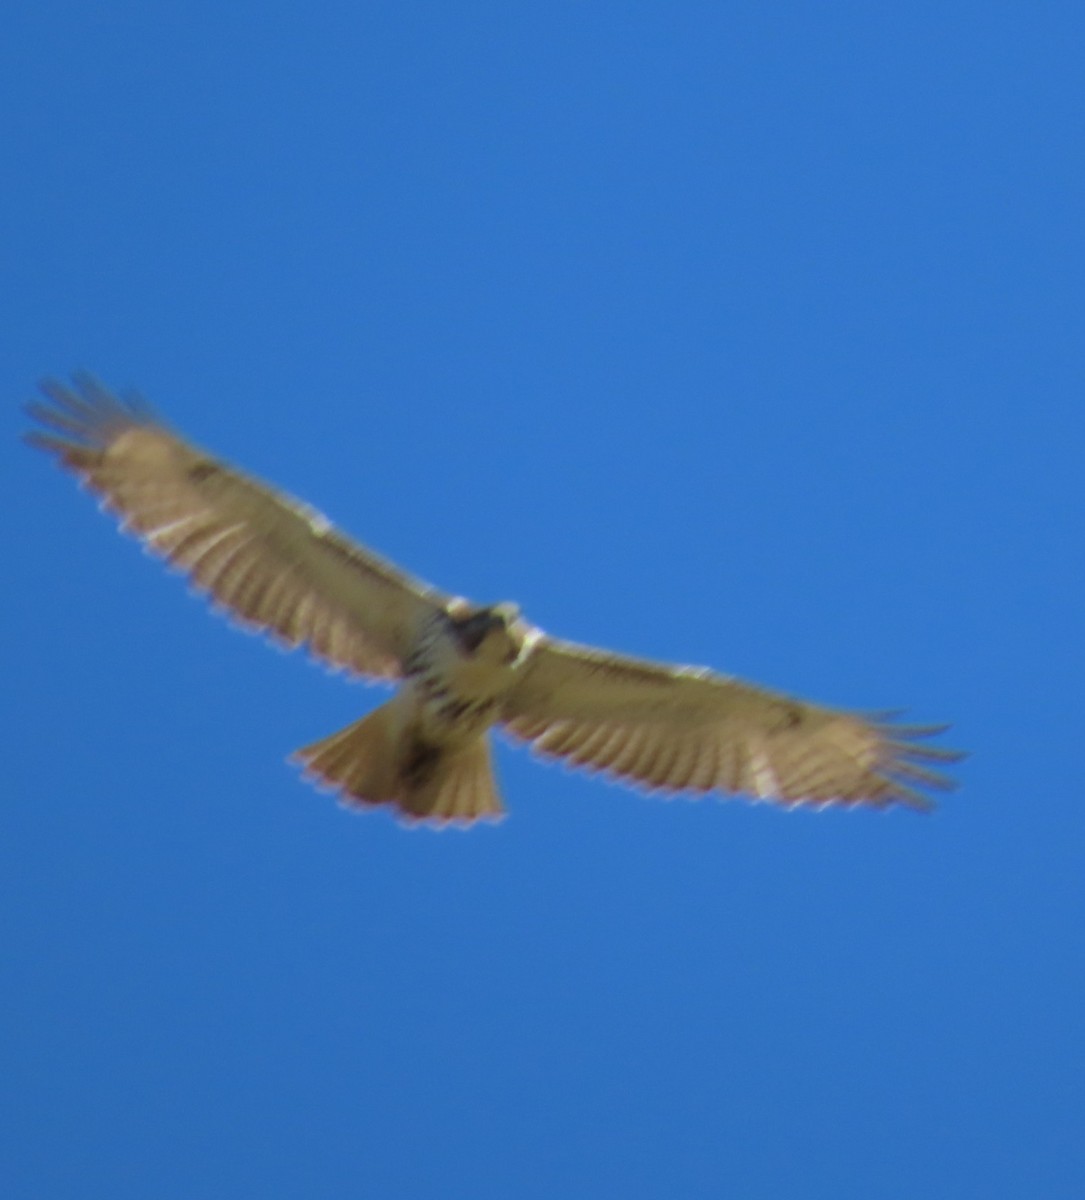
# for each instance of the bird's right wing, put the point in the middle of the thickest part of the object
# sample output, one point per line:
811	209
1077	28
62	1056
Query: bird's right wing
274	563
676	729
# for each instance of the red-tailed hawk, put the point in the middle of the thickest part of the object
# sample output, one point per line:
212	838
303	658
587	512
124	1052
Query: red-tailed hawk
278	566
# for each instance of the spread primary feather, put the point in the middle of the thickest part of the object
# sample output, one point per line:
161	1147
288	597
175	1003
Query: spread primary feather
279	566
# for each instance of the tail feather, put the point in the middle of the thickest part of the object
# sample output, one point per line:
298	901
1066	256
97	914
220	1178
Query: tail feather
358	761
377	761
461	788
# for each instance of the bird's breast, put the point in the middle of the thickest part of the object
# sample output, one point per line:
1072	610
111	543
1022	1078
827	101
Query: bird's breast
448	714
456	696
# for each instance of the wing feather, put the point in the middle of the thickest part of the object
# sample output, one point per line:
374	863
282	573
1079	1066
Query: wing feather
271	562
688	729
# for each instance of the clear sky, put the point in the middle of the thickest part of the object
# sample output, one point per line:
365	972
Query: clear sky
741	334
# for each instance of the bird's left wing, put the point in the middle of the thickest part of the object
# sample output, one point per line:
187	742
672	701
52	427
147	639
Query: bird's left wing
274	563
676	729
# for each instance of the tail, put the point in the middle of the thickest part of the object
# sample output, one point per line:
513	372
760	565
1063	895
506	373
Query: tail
378	761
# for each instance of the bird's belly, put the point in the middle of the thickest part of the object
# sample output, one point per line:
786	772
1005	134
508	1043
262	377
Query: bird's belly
450	717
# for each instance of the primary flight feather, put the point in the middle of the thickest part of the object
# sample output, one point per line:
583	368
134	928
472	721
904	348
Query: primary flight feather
279	566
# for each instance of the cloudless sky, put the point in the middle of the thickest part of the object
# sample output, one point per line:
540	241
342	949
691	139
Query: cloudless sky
742	334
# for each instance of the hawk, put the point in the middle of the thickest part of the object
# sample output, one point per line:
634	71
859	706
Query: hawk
278	566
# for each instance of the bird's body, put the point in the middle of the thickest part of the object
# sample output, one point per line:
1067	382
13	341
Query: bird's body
462	664
279	566
425	750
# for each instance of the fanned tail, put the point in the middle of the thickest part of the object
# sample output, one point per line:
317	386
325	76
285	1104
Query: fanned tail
460	788
376	761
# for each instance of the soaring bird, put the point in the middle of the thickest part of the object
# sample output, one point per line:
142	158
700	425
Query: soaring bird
278	566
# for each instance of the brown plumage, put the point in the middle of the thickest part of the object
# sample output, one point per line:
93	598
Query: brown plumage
278	566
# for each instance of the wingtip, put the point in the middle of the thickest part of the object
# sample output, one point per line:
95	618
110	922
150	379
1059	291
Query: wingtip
86	407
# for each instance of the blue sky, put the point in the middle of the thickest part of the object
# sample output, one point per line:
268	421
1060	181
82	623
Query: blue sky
737	334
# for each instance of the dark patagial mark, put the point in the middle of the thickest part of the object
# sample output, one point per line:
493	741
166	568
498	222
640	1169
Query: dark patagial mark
202	471
786	717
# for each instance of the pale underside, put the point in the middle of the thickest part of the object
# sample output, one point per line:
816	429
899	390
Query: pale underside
278	566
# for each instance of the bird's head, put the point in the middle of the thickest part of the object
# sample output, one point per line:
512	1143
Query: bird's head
493	632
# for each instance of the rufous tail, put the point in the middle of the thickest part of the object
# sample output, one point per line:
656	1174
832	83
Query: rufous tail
377	761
